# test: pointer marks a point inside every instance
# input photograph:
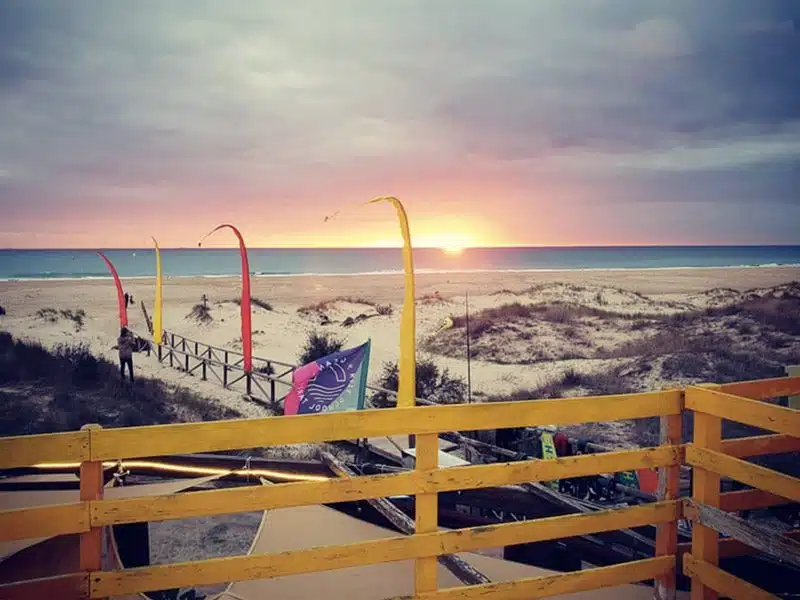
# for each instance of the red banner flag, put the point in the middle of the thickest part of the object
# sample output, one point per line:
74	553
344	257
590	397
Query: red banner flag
123	306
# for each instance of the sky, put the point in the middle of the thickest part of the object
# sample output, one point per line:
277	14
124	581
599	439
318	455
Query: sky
496	122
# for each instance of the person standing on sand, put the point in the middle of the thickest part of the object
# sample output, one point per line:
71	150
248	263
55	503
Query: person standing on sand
126	344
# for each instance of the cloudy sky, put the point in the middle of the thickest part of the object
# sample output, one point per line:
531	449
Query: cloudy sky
550	122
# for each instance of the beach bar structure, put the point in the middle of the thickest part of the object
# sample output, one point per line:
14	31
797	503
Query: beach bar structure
716	531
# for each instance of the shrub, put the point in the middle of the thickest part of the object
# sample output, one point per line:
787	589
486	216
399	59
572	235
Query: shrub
2	310
319	345
261	303
384	310
201	313
432	384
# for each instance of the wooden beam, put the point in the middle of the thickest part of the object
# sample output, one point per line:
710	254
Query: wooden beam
64	587
743	410
557	585
705	541
669	481
729	548
426	513
91	489
285	495
114	444
295	562
465	572
756	476
758	445
43	521
722	582
762	389
749	500
29	450
760	537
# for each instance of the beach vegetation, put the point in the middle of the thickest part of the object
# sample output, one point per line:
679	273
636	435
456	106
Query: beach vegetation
2	310
52	315
384	310
432	383
255	301
44	391
201	313
318	345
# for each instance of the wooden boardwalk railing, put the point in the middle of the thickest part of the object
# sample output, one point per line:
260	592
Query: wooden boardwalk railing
712	457
93	445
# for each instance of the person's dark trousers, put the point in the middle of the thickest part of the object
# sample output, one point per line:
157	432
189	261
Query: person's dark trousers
129	363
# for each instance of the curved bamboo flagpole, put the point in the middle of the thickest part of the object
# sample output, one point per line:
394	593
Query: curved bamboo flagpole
158	329
123	306
247	336
406	392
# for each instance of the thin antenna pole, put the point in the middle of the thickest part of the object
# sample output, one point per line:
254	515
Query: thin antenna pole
469	354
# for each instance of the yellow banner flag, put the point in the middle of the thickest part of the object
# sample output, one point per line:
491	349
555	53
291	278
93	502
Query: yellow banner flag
406	393
158	329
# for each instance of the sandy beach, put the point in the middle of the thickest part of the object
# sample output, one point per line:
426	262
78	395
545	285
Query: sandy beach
525	355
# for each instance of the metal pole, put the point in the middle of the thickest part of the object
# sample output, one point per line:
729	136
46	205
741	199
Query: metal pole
469	366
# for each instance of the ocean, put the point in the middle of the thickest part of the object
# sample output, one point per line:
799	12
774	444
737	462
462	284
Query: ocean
195	262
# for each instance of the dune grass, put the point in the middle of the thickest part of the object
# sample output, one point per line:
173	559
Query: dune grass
43	391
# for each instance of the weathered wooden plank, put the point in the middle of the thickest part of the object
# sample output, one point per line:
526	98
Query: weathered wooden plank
43	521
29	450
705	541
113	444
91	489
262	566
556	585
762	389
426	512
749	500
729	548
743	410
756	536
758	445
465	572
63	587
669	482
721	582
205	503
744	472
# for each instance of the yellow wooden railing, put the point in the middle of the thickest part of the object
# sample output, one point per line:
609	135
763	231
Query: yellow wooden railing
93	445
711	457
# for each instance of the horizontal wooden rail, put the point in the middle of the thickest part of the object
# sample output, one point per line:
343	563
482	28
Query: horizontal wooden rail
743	410
762	389
749	500
284	495
744	472
28	450
556	585
722	582
63	587
759	445
43	521
730	548
112	444
770	542
295	562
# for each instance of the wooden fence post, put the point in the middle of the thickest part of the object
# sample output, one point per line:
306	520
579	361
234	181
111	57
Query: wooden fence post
249	382
225	371
91	488
669	479
705	490
426	513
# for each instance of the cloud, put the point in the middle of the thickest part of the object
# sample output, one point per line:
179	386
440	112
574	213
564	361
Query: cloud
177	105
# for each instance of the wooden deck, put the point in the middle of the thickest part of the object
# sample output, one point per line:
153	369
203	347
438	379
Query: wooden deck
708	455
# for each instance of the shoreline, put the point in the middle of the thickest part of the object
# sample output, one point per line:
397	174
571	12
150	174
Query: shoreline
257	274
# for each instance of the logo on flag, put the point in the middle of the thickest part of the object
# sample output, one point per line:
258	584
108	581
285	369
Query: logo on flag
336	382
